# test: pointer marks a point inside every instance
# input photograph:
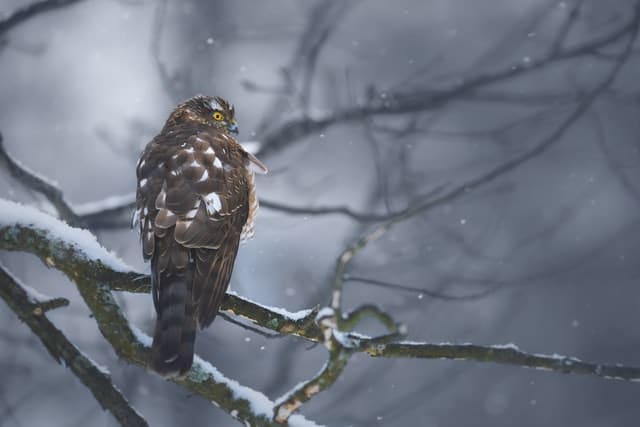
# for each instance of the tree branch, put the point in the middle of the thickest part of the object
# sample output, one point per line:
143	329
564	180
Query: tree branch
64	352
298	75
429	99
38	183
421	291
508	354
349	253
325	210
27	12
96	272
115	212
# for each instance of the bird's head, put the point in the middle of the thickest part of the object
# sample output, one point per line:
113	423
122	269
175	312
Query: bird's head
212	111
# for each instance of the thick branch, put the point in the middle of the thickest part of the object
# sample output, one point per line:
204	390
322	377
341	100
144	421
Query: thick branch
95	271
88	265
63	351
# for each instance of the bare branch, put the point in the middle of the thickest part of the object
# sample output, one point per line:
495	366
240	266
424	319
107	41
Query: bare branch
115	212
566	27
173	84
601	140
27	12
429	99
351	320
503	354
51	304
323	210
422	291
63	351
299	73
111	213
260	332
348	254
39	184
343	210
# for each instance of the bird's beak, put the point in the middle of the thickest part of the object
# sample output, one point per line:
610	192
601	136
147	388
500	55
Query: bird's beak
232	127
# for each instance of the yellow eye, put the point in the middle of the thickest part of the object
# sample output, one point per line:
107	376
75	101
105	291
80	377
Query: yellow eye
217	115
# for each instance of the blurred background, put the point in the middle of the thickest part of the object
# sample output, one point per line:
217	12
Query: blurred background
521	116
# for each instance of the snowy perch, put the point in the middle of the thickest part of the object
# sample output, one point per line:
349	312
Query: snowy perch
31	309
97	272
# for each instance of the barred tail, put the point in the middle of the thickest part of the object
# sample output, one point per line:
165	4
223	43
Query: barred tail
175	333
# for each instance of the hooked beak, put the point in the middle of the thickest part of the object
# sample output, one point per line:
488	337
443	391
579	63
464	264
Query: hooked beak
233	127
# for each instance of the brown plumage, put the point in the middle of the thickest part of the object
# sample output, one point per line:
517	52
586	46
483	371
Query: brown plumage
195	202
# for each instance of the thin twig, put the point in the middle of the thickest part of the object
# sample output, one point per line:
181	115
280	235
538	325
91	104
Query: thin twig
102	216
566	27
347	255
350	320
429	99
601	141
260	332
27	12
39	184
422	291
298	75
507	354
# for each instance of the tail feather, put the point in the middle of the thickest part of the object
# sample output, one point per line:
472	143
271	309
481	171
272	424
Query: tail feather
175	333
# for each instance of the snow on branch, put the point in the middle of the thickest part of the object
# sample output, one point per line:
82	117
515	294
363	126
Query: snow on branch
98	381
83	244
97	273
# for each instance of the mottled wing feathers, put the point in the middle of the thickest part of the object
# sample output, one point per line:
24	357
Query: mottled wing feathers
195	193
195	199
195	202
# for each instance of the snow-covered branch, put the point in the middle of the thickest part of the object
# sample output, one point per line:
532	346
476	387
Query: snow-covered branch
98	272
32	312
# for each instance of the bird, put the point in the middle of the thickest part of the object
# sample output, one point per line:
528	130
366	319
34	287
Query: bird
195	202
